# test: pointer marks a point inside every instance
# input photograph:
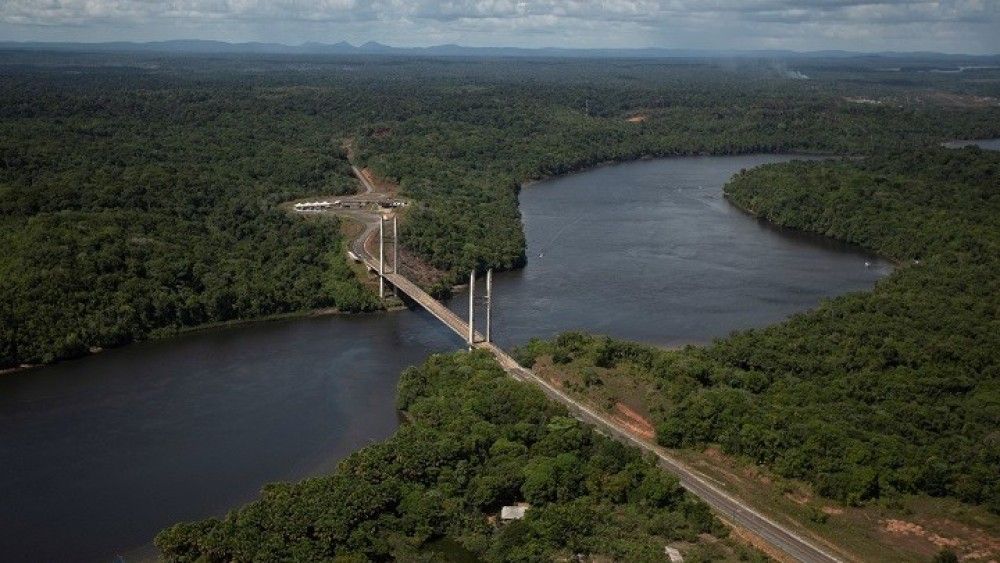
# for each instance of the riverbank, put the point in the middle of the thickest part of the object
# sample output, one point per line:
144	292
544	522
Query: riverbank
821	417
527	451
896	262
188	427
427	273
584	168
165	334
170	332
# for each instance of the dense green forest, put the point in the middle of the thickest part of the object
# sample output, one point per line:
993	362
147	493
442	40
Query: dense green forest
124	213
139	193
467	153
871	394
476	440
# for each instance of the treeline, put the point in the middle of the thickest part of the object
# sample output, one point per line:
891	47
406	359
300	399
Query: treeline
871	395
466	153
476	441
139	193
124	216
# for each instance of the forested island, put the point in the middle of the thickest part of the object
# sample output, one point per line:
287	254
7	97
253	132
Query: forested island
139	193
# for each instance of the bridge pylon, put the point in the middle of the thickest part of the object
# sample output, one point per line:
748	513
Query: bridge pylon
381	254
471	340
472	309
489	303
381	257
395	252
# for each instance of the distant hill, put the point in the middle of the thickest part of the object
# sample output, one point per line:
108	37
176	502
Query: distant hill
194	46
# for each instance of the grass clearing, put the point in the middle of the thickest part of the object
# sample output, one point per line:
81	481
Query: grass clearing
910	528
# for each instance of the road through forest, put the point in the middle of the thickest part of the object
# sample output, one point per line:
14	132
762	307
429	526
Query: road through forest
735	511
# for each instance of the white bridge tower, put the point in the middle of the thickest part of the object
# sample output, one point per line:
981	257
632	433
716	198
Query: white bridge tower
487	337
381	254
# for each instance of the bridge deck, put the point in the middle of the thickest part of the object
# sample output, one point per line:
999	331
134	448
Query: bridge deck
792	544
730	508
433	306
422	298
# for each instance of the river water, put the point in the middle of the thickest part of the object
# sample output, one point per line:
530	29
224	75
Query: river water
652	251
98	454
988	144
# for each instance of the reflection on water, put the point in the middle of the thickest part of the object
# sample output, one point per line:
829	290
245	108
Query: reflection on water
98	454
652	251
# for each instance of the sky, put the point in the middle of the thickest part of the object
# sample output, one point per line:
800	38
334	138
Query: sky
955	26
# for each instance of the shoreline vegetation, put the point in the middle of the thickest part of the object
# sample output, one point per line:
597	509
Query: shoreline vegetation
171	332
125	215
446	473
642	158
881	401
682	387
220	325
138	202
325	311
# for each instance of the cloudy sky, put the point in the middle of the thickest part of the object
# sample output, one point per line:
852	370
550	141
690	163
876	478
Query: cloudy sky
969	26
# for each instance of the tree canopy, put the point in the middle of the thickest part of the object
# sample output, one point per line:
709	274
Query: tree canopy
139	193
871	394
475	440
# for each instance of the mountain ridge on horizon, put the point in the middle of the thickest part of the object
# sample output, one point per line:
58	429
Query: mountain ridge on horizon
212	46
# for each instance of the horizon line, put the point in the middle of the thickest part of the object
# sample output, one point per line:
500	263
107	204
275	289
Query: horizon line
372	44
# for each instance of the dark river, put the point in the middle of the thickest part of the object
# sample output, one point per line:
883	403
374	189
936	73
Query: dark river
652	251
98	454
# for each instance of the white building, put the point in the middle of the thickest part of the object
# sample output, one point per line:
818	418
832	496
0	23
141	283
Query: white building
513	512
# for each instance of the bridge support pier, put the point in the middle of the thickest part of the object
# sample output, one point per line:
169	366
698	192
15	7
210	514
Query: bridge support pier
489	303
472	309
395	251
381	256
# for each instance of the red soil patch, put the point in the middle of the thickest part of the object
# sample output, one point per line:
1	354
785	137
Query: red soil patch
635	423
911	529
418	271
970	543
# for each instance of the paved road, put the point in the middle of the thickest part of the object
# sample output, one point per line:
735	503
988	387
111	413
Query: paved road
370	222
778	536
369	188
366	218
781	538
732	509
